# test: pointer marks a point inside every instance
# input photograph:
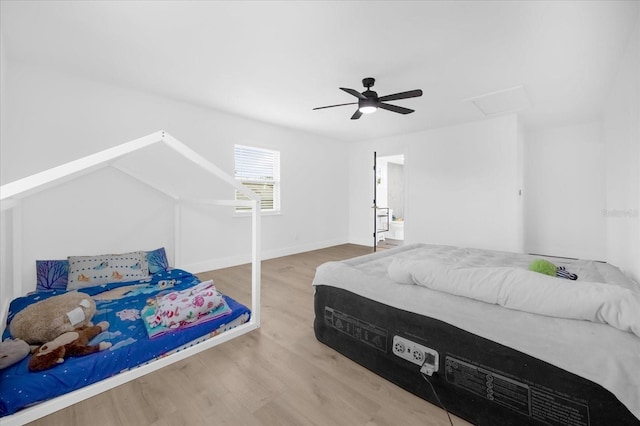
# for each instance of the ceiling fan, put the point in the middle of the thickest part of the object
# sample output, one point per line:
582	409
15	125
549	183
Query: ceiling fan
368	101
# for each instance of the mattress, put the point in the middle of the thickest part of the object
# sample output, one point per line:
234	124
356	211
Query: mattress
131	344
597	353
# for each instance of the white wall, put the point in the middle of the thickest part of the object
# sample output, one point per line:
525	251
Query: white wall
395	188
462	185
50	118
622	151
565	192
5	221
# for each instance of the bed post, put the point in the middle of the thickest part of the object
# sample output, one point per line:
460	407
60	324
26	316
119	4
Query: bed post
177	234
255	263
16	245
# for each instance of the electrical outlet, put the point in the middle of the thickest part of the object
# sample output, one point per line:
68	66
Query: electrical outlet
398	347
415	352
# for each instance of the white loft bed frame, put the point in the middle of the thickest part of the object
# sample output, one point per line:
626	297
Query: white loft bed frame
10	200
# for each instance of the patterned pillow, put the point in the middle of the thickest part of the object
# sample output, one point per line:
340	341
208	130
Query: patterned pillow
85	271
157	260
51	274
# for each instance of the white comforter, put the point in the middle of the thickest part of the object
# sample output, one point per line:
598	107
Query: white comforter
613	359
524	290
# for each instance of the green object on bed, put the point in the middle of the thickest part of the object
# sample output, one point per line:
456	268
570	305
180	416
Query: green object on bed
543	266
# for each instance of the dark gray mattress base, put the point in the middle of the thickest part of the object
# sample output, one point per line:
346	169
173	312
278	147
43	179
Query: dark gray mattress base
478	380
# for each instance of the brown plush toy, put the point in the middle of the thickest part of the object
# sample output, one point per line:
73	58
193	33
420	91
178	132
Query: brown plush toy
45	320
72	343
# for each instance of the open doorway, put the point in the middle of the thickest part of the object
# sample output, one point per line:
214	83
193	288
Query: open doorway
390	194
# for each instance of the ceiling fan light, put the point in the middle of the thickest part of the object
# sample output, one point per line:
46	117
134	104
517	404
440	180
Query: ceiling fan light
367	106
367	109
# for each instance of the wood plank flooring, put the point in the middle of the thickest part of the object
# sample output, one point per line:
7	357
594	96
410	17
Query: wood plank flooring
277	375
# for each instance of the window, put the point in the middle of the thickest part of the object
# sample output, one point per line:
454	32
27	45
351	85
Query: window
259	170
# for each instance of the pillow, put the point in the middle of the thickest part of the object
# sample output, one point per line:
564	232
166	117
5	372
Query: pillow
51	274
85	271
157	260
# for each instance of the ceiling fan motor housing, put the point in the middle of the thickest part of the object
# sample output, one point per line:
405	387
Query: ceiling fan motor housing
368	82
372	97
370	94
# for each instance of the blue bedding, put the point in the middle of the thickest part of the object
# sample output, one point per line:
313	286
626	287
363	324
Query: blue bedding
131	345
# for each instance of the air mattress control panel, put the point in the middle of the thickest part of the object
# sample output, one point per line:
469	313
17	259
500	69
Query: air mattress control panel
416	353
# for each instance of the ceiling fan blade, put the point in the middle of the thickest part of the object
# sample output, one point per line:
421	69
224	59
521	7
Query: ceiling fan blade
331	106
356	115
395	108
354	93
402	95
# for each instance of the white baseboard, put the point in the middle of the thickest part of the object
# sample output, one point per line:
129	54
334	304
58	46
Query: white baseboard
362	241
226	262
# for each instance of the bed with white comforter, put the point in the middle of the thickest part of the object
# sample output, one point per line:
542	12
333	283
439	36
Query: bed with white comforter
589	327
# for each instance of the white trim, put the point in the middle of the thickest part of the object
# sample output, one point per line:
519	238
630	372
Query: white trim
5	313
246	203
205	164
65	172
16	247
255	262
12	193
177	234
8	204
262	213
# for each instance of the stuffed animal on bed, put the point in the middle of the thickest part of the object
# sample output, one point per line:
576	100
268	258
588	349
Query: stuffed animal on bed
72	343
45	320
12	351
545	267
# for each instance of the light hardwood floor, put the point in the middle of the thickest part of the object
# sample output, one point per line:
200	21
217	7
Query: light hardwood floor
277	375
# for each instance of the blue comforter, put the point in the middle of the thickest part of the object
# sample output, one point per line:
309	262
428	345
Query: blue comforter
131	345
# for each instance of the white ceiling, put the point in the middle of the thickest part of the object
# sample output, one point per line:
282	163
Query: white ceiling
275	61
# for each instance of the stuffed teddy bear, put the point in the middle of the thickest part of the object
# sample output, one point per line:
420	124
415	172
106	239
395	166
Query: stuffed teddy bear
72	343
12	351
45	320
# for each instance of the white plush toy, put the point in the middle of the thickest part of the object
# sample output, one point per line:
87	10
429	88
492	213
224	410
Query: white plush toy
12	351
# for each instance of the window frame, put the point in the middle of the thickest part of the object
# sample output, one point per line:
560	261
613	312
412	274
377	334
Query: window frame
243	179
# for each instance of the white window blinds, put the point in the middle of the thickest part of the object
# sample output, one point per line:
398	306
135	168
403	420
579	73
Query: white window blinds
259	170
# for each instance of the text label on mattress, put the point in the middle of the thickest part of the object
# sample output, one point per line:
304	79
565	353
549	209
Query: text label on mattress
535	403
360	330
